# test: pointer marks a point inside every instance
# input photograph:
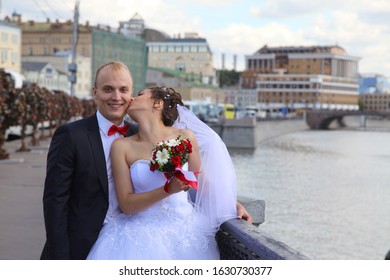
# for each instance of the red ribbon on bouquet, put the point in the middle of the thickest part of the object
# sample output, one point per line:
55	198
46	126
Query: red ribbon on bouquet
187	177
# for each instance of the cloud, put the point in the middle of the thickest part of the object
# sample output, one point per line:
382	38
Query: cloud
242	39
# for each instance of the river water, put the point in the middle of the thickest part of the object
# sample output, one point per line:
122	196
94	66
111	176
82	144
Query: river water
327	193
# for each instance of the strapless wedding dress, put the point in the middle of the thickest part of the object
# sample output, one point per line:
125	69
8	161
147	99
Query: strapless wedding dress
169	229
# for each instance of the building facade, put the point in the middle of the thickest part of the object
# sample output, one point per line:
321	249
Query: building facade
375	102
46	76
99	43
61	61
373	83
374	92
323	77
10	46
190	54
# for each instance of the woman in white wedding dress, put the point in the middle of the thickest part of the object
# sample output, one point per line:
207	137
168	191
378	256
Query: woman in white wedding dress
160	224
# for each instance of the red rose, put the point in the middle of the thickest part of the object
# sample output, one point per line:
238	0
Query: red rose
153	167
180	148
189	146
176	161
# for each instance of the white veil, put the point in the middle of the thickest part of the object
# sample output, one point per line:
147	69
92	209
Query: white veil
216	197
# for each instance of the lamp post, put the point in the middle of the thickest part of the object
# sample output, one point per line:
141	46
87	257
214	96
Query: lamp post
72	67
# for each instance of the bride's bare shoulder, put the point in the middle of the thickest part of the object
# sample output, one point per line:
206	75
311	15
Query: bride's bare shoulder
186	133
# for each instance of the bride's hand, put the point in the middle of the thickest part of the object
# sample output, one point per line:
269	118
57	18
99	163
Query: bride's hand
176	185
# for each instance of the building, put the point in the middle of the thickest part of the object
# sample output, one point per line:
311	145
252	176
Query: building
182	63
289	78
374	92
186	84
46	76
373	83
61	61
375	102
190	54
134	27
241	98
10	46
99	43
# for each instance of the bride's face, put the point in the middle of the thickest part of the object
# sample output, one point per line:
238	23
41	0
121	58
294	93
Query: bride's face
141	102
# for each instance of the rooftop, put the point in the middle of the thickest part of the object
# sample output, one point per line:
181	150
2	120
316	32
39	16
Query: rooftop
301	49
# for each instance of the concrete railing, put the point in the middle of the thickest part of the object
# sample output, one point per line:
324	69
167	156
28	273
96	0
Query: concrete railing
237	133
239	240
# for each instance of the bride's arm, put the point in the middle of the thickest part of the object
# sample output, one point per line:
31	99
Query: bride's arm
130	202
194	160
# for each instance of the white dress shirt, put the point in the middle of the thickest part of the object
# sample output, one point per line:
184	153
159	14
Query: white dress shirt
104	126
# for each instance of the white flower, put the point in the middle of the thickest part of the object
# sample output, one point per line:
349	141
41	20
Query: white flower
160	143
172	142
162	157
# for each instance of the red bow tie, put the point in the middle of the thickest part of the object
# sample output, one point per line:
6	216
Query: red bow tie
122	130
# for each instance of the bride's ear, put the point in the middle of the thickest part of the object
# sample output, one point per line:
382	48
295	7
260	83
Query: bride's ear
158	105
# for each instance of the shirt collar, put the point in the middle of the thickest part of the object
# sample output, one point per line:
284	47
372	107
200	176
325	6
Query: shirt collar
104	124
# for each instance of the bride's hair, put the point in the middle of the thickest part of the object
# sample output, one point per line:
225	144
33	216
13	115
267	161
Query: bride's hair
171	98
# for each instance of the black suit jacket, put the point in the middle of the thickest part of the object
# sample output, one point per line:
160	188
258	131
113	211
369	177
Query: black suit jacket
75	198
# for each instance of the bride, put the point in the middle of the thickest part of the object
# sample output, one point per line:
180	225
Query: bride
167	222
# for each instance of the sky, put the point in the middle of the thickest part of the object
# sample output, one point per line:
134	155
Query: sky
241	27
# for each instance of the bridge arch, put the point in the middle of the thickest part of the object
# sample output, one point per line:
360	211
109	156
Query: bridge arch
321	119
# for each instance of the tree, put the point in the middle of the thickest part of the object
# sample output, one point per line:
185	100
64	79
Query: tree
228	77
361	105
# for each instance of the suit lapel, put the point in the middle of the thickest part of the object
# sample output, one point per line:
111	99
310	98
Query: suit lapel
97	151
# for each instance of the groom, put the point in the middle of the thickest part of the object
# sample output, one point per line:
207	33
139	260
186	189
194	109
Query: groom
78	185
79	190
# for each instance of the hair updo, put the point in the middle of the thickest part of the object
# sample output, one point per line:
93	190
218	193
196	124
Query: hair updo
171	98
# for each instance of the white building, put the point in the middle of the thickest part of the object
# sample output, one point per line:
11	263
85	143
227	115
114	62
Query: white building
60	61
46	76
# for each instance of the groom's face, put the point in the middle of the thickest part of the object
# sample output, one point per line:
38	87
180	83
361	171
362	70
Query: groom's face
113	92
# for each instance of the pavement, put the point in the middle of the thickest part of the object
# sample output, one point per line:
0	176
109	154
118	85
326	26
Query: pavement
22	232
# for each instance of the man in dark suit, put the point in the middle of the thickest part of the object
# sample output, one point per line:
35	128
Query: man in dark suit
78	194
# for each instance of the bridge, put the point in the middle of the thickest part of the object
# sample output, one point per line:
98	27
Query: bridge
321	119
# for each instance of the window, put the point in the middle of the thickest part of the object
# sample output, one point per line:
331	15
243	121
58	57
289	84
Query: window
202	49
4	56
181	67
14	58
4	37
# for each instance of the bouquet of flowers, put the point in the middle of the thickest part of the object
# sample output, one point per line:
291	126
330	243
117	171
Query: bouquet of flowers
169	157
